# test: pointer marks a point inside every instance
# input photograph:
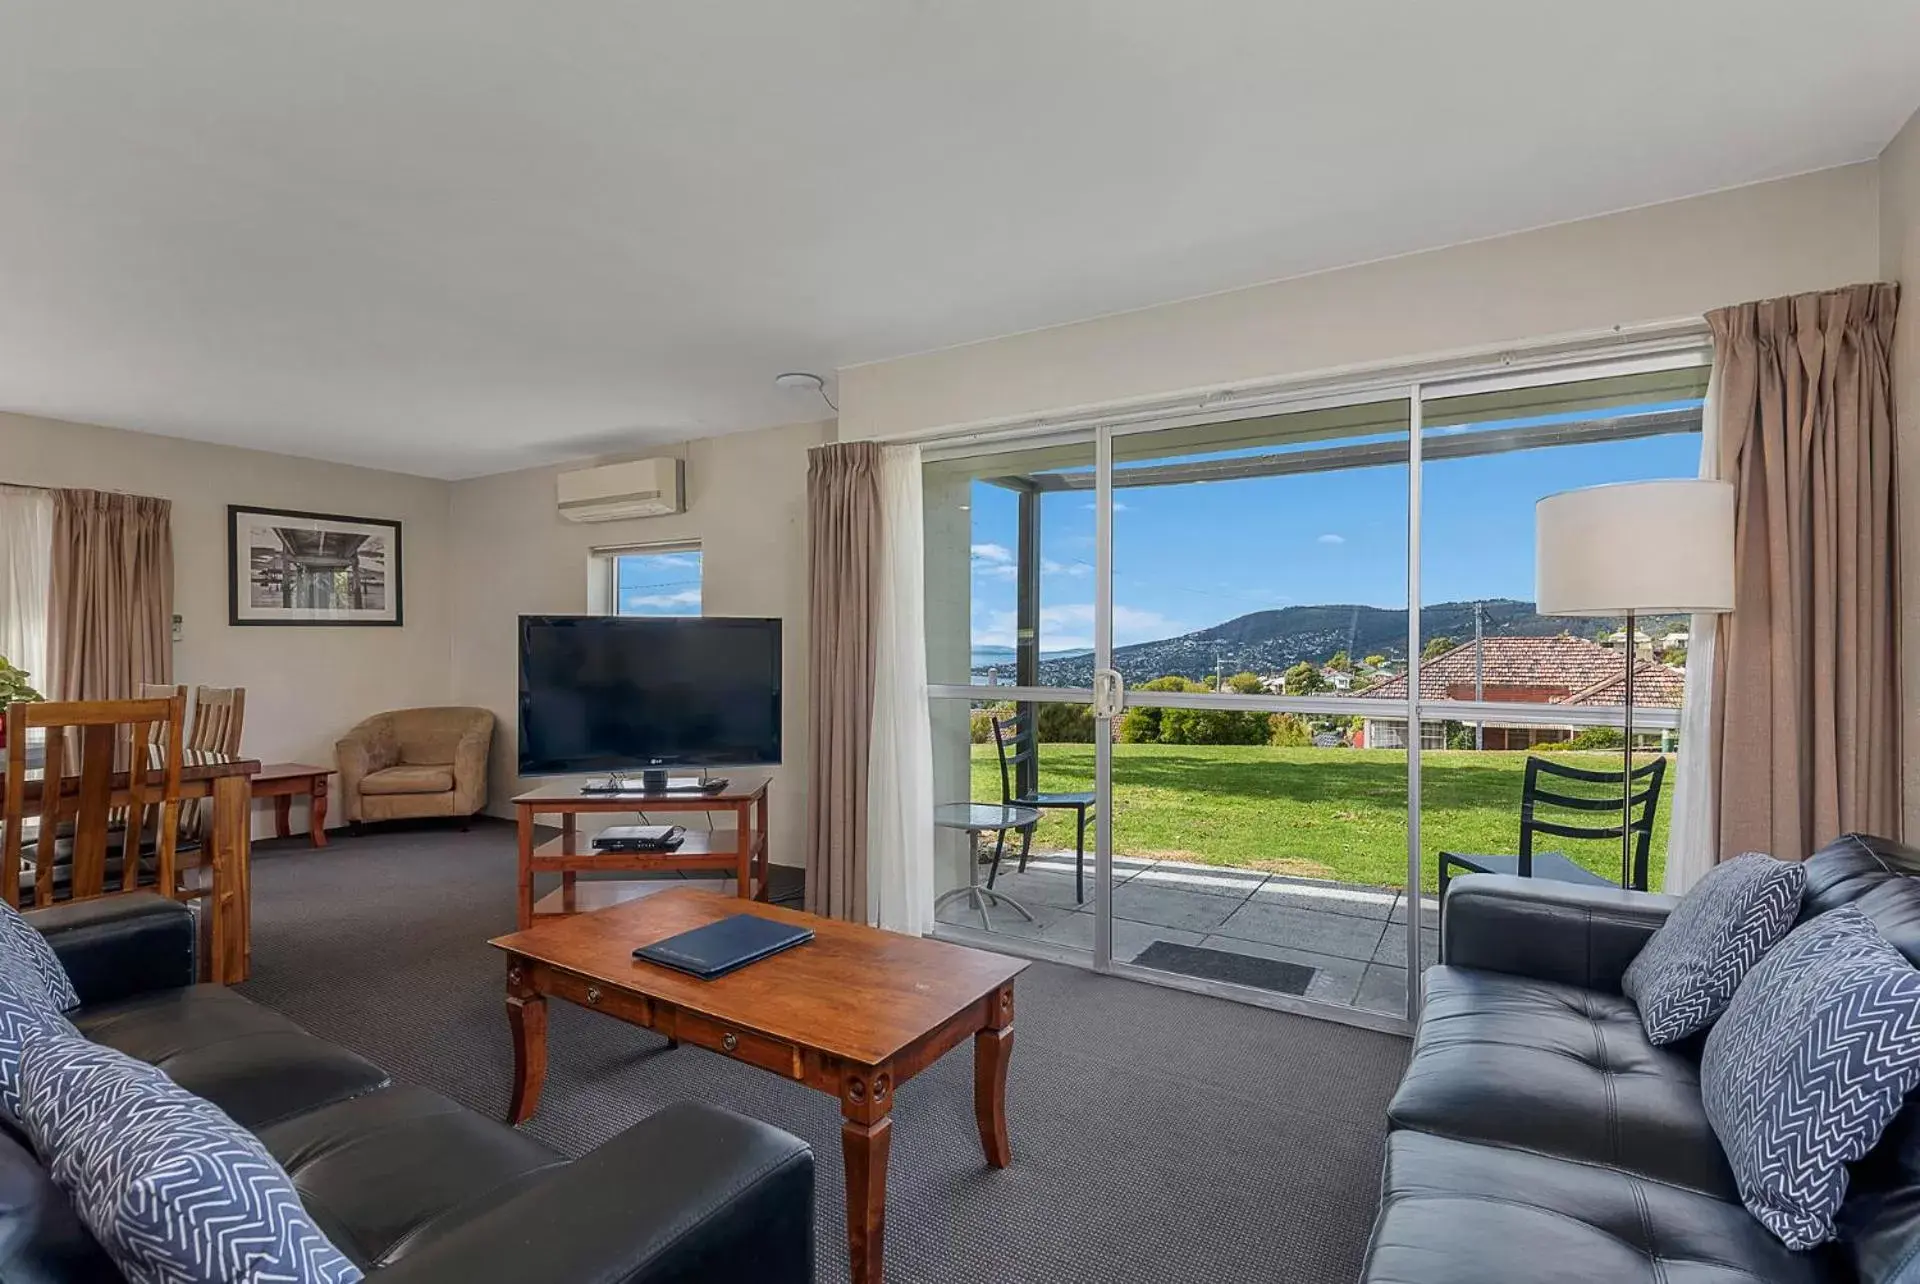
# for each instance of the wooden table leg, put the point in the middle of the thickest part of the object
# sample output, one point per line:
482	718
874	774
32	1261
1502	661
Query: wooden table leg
317	812
743	851
526	867
866	1136
765	840
992	1050
231	835
527	1014
282	815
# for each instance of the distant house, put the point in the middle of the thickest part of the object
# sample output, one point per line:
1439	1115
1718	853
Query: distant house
1523	670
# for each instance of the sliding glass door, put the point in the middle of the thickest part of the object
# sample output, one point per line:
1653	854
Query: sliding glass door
1260	591
1012	626
1188	728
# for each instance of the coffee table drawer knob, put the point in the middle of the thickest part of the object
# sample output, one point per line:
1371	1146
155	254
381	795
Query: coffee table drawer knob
730	1041
593	994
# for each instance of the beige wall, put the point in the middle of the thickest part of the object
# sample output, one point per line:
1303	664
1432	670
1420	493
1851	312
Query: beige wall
1900	261
304	685
746	504
1661	263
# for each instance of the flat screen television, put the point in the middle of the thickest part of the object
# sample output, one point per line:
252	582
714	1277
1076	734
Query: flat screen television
617	694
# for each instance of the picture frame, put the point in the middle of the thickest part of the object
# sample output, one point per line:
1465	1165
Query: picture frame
289	568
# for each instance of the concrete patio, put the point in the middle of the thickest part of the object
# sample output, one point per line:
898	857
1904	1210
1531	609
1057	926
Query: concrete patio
1353	937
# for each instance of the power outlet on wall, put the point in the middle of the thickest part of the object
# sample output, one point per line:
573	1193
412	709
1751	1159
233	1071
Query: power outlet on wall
179	627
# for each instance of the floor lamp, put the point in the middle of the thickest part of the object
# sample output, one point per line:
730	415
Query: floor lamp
1635	548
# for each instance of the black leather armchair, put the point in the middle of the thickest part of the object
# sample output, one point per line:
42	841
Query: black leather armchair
410	1185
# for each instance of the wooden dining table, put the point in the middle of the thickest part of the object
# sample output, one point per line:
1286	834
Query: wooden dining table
229	844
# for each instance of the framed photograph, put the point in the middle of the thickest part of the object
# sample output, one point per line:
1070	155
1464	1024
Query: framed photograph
287	567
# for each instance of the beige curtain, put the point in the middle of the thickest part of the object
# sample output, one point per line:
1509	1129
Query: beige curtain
843	560
110	620
1807	684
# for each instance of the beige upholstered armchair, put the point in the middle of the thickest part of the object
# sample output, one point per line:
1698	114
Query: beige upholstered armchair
416	762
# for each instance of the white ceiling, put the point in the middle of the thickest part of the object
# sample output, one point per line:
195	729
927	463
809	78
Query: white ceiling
458	236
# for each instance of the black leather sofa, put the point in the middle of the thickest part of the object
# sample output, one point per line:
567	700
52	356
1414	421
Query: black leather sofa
414	1188
1538	1136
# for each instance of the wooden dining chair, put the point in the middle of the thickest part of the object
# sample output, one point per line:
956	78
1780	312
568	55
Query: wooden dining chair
218	714
114	745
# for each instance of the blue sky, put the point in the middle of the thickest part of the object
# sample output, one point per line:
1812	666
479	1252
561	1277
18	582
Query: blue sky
660	584
1194	555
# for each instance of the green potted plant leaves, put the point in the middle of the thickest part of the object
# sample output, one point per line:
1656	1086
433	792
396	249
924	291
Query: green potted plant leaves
13	688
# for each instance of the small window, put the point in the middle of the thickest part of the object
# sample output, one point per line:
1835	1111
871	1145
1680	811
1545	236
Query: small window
657	581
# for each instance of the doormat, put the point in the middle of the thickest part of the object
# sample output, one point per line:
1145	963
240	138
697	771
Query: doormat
1220	965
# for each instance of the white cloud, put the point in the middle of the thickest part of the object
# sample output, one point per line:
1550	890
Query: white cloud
1333	539
660	601
996	554
1052	567
1070	627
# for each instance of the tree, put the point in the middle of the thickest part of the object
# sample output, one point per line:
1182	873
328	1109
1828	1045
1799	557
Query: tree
980	722
1064	724
1142	725
1213	727
1289	732
1341	661
1303	679
1375	661
1437	646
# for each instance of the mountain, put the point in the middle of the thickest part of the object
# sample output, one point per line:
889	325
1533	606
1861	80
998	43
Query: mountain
1002	657
1271	641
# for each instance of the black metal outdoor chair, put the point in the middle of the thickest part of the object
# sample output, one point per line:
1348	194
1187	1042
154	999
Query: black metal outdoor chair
1556	865
1018	745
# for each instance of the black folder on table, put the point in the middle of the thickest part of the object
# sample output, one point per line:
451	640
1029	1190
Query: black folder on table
722	947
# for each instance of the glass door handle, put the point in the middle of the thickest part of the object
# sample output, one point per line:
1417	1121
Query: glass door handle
1109	693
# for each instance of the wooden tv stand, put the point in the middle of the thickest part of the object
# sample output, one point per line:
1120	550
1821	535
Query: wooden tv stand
740	852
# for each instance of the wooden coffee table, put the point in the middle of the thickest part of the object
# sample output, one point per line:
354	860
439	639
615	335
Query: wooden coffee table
854	1013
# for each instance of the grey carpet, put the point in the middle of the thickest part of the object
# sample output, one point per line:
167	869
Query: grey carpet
1158	1136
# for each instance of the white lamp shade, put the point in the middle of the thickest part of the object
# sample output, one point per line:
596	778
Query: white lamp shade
1658	547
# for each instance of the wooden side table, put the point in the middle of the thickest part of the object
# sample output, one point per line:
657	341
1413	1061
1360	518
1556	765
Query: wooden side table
282	782
740	852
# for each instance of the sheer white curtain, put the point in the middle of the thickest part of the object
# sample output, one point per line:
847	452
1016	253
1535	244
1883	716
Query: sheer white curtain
26	568
1692	841
900	754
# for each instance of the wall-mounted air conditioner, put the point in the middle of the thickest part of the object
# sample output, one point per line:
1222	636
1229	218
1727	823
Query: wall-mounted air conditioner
616	492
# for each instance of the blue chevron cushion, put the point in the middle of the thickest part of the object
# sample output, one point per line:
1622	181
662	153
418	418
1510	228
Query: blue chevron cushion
29	964
1685	975
1808	1066
19	1022
174	1190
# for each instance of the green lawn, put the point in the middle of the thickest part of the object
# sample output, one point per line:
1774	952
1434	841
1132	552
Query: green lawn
1320	813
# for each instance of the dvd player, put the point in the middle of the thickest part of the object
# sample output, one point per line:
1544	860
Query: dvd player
639	838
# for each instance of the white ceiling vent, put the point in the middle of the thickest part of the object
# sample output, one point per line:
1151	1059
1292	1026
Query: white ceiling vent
617	492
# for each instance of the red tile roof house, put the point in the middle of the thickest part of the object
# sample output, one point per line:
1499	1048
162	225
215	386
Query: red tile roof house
1530	670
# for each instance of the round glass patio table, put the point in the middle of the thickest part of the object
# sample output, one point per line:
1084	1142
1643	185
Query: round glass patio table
977	819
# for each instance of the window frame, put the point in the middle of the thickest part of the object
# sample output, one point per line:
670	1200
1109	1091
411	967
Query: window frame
605	559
